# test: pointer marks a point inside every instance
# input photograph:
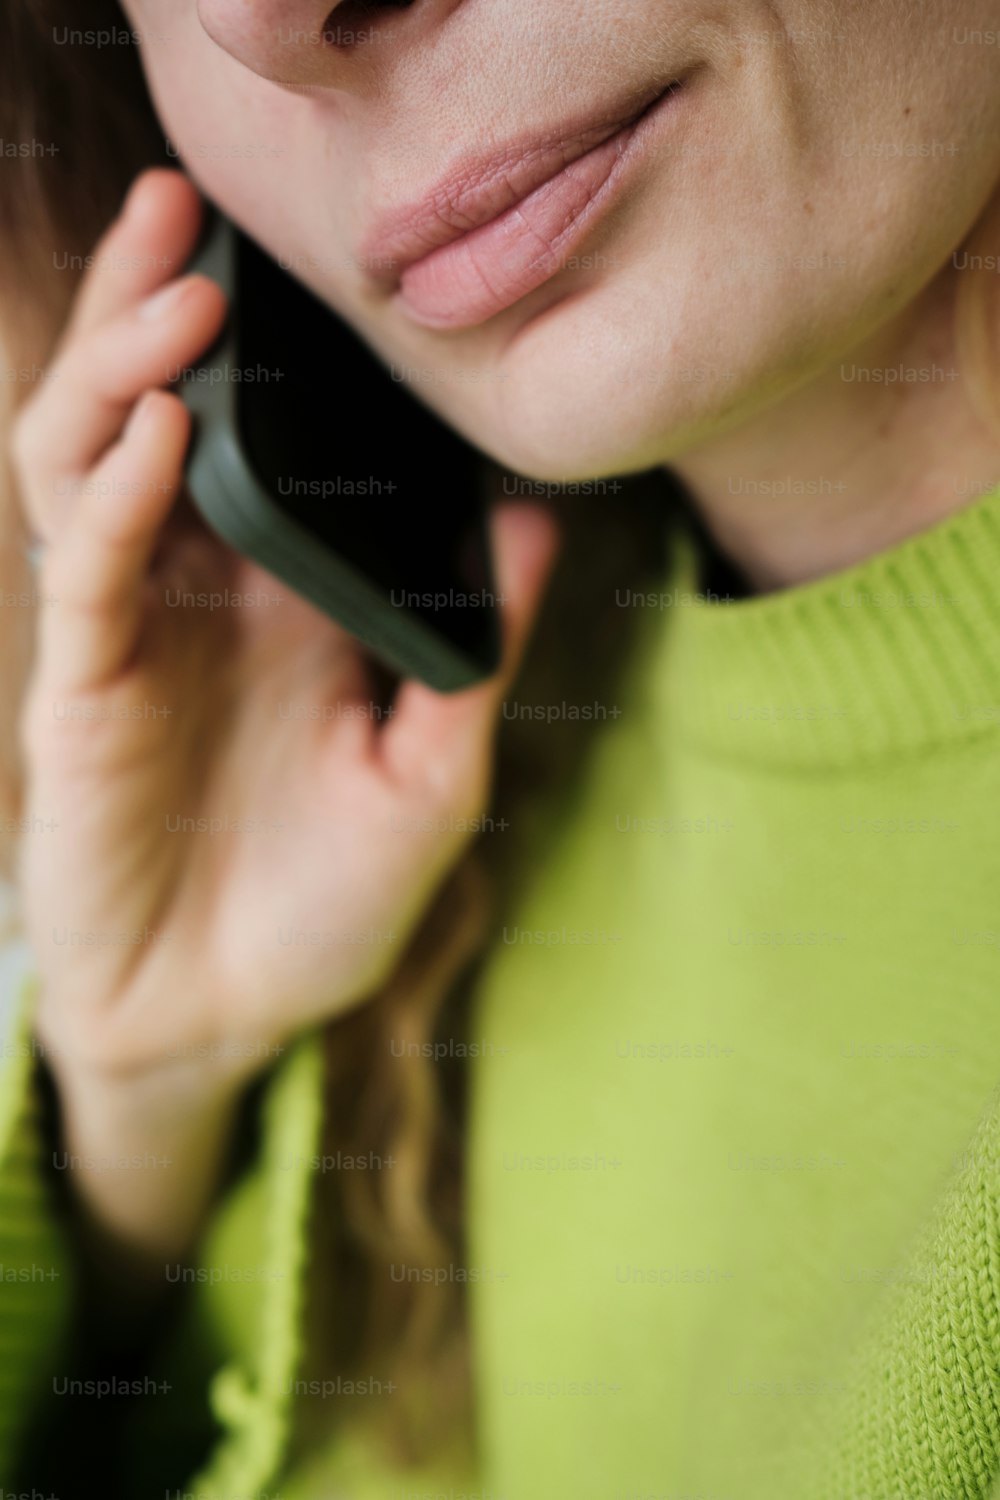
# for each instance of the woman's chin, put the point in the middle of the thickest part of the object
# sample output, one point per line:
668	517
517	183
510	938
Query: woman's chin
578	409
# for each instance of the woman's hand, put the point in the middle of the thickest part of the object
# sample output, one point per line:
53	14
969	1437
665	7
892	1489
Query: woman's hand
241	845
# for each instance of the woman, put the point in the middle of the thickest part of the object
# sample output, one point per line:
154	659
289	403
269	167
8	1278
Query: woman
718	1073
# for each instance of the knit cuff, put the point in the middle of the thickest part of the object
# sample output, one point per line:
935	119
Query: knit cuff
35	1265
251	1396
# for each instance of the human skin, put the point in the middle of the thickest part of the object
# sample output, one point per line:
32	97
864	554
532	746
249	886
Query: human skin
792	213
164	984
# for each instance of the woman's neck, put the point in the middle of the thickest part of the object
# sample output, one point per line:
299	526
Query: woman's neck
884	443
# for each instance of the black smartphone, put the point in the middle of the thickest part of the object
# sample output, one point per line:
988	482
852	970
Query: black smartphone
315	460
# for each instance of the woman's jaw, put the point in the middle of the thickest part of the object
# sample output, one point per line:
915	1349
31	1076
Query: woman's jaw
599	235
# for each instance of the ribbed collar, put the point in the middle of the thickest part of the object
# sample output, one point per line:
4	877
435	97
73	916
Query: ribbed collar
886	659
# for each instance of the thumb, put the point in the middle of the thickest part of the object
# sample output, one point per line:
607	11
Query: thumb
433	735
525	546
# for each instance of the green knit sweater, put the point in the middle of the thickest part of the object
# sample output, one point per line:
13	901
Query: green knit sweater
734	1218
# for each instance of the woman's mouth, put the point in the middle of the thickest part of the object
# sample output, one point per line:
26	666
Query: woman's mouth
502	227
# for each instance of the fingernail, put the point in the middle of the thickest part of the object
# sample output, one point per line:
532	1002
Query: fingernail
164	301
131	197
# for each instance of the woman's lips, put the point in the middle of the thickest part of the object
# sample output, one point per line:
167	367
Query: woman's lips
474	248
479	275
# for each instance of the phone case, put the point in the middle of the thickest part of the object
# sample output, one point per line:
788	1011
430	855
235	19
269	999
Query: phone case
234	504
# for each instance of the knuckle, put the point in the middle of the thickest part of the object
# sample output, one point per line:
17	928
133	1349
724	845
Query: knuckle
79	591
87	601
112	529
47	592
460	787
26	443
34	722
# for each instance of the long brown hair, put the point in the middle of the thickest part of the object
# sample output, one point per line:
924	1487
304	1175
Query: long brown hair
388	1099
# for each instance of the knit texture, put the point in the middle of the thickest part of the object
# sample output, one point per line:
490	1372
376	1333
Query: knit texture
252	1395
734	1142
35	1270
